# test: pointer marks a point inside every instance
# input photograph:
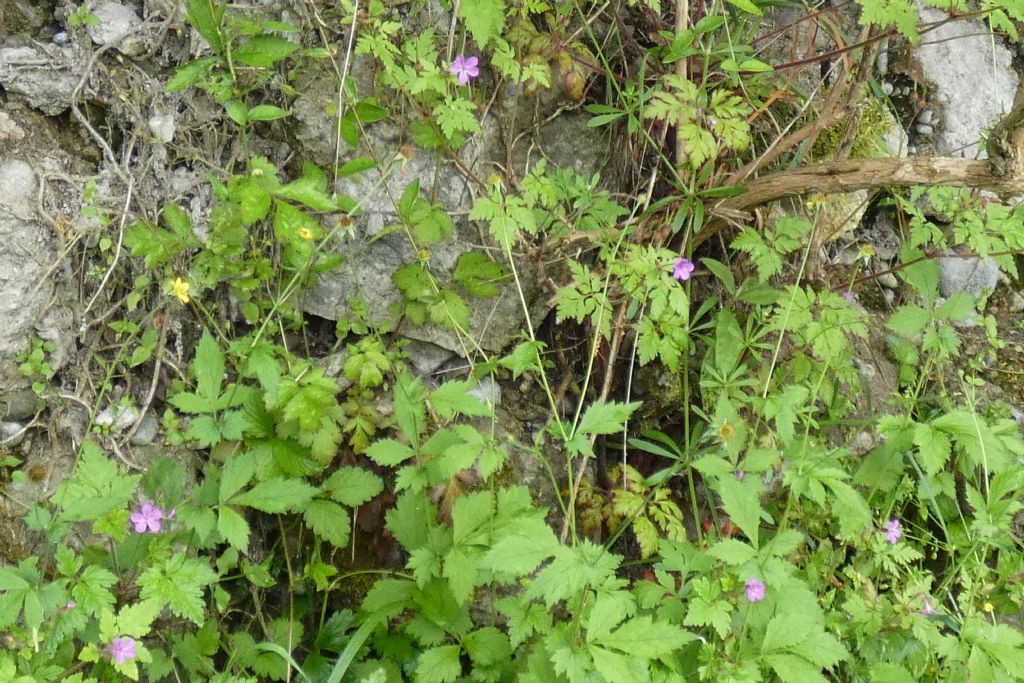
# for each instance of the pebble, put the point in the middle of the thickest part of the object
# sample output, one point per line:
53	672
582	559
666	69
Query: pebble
147	431
119	418
889	295
12	433
488	391
1017	304
924	129
887	88
61	38
882	62
925	117
888	280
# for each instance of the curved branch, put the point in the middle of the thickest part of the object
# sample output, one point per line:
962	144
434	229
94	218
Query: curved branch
861	174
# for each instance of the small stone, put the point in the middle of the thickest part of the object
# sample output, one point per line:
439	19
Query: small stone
61	38
162	126
925	117
968	274
924	129
1017	303
12	433
118	418
882	62
889	295
147	431
888	280
488	391
116	24
887	88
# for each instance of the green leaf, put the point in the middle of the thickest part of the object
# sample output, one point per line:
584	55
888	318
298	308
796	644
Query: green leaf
885	13
237	473
455	397
329	521
934	448
485	19
610	609
741	500
190	73
208	367
487	647
353	486
178	583
439	665
644	637
388	452
233	528
267	112
479	274
277	495
460	569
732	552
606	418
747	6
410	408
264	51
205	16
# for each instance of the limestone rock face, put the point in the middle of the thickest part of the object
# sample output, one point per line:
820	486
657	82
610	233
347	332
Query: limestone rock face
972	78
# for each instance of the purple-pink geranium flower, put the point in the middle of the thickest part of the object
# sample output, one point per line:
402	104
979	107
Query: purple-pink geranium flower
122	649
849	296
893	530
740	474
148	518
928	609
465	68
683	269
755	591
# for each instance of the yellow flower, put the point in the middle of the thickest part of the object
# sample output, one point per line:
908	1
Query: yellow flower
988	607
179	288
305	234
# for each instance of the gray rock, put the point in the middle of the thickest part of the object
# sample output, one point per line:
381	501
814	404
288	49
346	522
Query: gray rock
427	358
10	131
925	117
162	125
887	88
1017	304
25	256
971	275
117	24
11	434
888	280
46	79
117	417
488	391
147	432
958	53
924	129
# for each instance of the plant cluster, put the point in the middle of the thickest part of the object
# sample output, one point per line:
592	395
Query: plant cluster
738	536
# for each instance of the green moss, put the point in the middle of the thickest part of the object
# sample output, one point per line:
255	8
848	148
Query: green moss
874	121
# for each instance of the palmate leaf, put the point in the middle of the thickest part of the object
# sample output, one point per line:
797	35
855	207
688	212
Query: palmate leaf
277	495
178	584
353	486
484	19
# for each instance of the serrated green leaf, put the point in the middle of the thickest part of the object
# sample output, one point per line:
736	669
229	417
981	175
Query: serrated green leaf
484	19
263	51
455	397
237	473
233	528
277	495
606	418
439	665
353	486
329	521
388	452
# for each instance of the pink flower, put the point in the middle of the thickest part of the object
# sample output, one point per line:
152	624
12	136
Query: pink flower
683	269
755	591
849	296
148	518
928	609
740	474
893	530
465	68
122	649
